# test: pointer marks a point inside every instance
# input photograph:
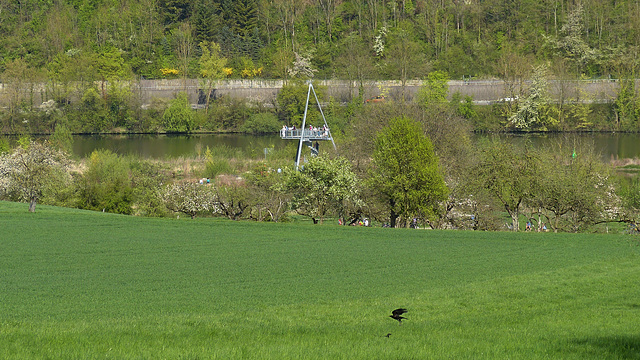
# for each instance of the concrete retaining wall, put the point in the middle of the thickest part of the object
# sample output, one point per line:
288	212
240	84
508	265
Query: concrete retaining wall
265	91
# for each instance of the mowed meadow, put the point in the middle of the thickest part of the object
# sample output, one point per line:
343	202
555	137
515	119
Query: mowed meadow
85	285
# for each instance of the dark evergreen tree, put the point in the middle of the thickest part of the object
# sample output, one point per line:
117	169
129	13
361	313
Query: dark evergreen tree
174	11
166	46
246	17
253	44
226	12
205	20
230	43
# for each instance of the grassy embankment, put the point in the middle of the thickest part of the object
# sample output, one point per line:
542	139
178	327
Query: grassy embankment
77	284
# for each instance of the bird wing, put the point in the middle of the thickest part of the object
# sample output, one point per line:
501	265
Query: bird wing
398	312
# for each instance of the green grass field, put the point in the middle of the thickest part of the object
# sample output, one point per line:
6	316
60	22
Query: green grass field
85	285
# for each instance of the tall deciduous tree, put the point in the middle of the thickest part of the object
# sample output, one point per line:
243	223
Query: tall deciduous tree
20	83
405	59
292	100
513	68
434	89
406	172
183	42
111	67
571	192
282	59
571	41
532	113
60	22
355	63
329	10
70	74
28	170
288	13
212	65
509	174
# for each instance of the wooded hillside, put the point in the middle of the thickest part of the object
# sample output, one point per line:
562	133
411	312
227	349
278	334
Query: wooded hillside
348	39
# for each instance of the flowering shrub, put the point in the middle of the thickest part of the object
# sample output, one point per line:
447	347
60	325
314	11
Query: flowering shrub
167	72
29	169
189	198
378	42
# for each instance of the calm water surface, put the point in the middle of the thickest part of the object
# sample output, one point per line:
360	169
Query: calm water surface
609	145
167	146
163	146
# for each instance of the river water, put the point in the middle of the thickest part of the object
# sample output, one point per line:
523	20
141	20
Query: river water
609	145
172	146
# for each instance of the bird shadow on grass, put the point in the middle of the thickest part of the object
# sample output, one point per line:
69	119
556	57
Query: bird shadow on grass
611	347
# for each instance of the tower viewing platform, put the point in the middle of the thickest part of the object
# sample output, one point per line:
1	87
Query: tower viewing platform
306	134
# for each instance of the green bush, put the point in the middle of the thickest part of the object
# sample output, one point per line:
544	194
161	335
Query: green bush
178	117
105	185
261	123
217	166
292	100
4	146
59	190
62	138
230	114
147	179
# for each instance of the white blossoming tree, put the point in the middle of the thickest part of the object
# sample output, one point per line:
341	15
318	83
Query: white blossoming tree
28	170
302	67
378	43
533	112
324	186
189	198
571	43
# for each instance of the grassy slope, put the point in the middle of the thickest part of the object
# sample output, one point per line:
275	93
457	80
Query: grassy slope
78	284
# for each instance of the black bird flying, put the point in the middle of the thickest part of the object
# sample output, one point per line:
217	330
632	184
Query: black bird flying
395	314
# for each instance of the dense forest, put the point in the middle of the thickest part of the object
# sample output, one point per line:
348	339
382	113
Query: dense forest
462	37
70	45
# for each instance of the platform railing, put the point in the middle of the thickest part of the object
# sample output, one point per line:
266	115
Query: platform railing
320	134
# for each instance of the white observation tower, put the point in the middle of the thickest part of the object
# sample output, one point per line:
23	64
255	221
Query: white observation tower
308	136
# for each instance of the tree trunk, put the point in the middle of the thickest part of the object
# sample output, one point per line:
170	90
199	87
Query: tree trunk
206	107
515	222
32	205
392	216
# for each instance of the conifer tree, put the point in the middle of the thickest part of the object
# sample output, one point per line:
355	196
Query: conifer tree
245	14
205	21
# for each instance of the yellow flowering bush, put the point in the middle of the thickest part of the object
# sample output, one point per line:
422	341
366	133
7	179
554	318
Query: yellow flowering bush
168	72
